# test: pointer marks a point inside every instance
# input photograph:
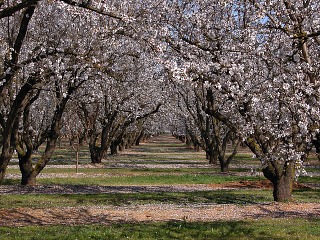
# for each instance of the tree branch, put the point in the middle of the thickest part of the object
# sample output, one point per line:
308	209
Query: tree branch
86	4
9	11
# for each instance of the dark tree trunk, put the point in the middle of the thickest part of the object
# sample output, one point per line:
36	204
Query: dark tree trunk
95	151
27	171
139	138
282	189
83	138
95	154
282	181
188	141
113	148
95	159
224	167
4	161
121	146
7	148
145	138
196	147
211	157
29	180
225	161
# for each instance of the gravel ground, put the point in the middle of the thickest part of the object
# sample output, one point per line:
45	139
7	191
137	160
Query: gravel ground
155	212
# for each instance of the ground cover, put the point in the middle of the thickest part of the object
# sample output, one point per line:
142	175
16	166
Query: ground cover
295	229
131	196
151	193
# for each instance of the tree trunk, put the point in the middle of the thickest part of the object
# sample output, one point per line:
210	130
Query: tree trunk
28	177
113	148
225	161
282	181
4	161
188	142
26	170
211	157
282	189
224	167
139	138
196	147
121	146
95	151
96	159
95	154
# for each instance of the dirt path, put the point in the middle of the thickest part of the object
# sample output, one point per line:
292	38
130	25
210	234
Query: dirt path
154	212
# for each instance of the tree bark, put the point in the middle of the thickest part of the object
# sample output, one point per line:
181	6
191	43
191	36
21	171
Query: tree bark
29	173
282	180
95	154
121	147
188	141
139	138
113	148
5	159
211	156
223	160
196	147
224	167
11	126
26	169
282	189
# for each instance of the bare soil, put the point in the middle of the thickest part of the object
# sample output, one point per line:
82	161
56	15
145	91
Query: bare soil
155	212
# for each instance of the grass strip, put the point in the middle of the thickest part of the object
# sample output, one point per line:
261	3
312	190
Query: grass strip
149	180
121	199
263	229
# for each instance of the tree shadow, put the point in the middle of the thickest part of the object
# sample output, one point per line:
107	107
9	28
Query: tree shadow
62	216
284	211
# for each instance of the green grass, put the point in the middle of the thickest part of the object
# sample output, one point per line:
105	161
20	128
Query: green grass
312	169
148	180
308	179
307	195
152	171
277	229
124	170
120	199
153	179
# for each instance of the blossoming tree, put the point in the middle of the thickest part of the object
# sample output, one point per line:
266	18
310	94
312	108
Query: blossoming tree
259	61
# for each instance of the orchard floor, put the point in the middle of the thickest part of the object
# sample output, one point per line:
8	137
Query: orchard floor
106	215
154	212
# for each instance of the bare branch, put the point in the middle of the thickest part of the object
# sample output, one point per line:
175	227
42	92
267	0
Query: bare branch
9	11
